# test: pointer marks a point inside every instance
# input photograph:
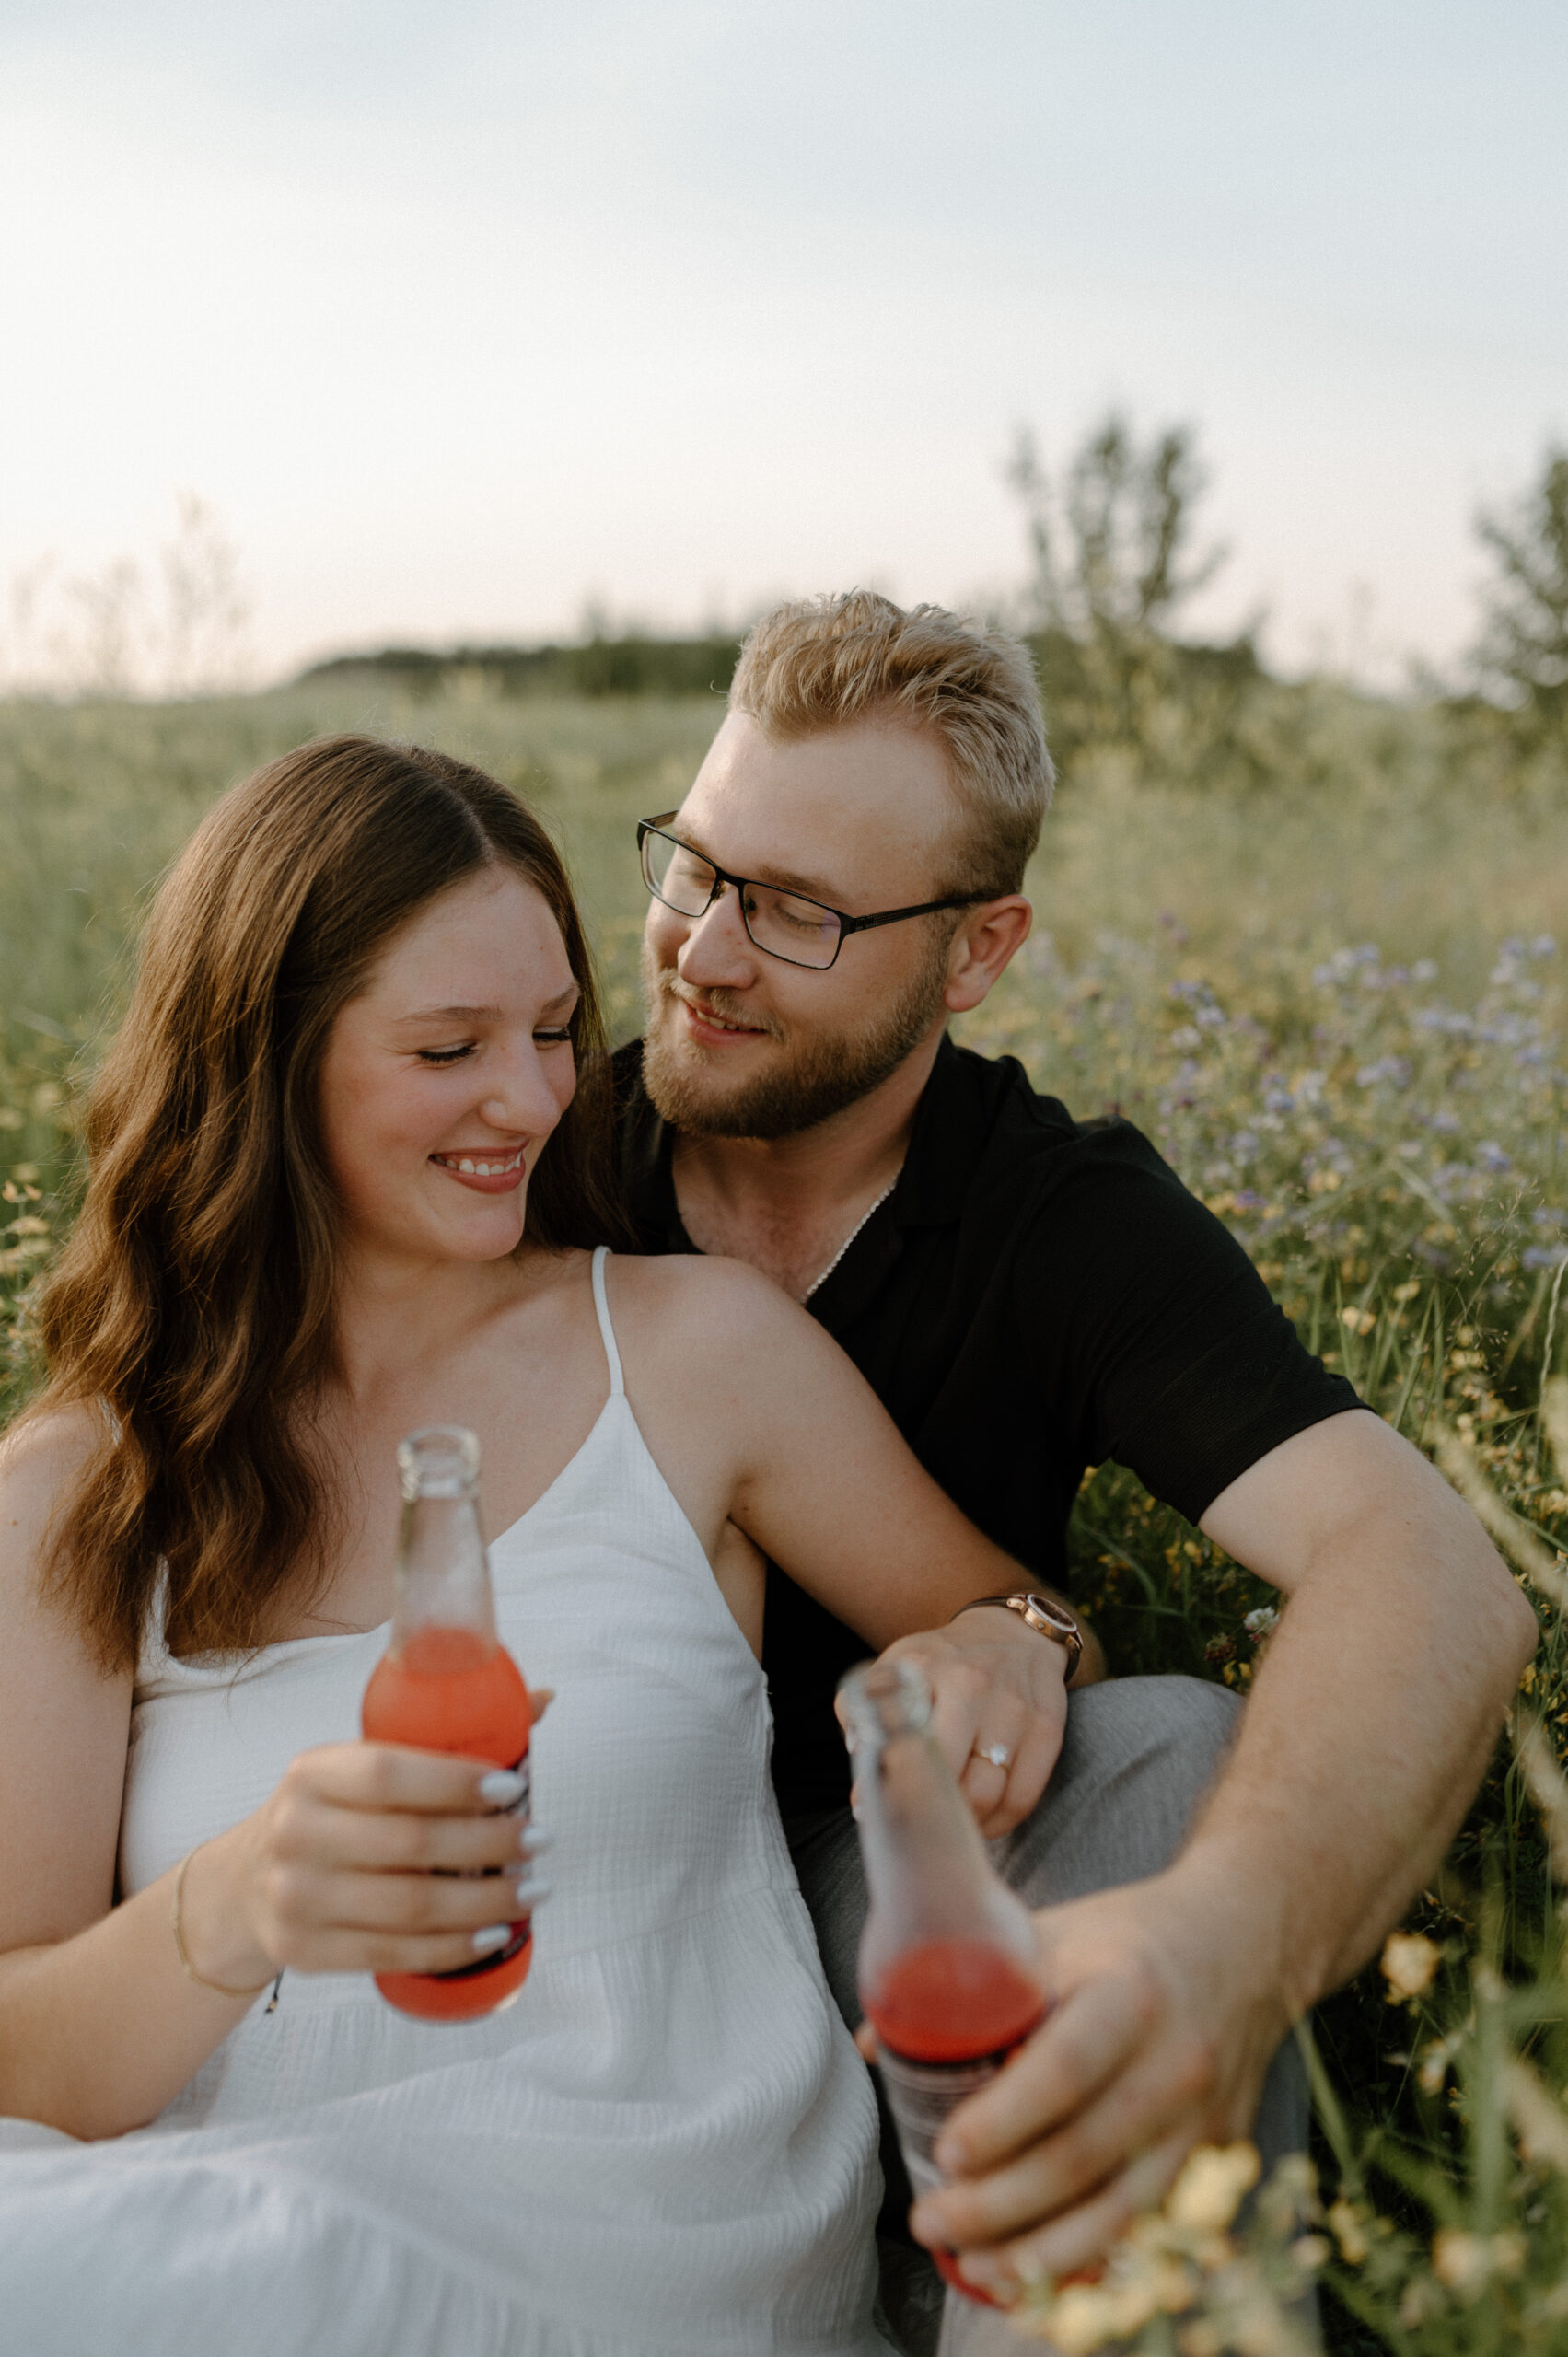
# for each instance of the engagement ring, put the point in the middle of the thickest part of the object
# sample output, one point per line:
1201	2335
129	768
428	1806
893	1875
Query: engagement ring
997	1753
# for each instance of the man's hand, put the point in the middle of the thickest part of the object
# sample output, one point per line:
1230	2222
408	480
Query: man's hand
1164	2018
998	1685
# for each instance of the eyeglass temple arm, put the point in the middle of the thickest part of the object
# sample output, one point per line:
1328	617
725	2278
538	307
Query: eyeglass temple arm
920	909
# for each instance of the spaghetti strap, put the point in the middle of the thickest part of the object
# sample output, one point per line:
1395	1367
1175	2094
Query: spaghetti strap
607	1331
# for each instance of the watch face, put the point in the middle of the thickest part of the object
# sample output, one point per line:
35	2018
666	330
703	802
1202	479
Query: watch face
1055	1615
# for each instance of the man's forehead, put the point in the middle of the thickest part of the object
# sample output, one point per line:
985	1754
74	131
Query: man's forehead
822	812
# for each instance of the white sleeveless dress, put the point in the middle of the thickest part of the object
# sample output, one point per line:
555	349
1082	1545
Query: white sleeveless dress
666	2146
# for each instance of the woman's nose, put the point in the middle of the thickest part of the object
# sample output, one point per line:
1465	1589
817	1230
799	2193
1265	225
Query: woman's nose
523	1097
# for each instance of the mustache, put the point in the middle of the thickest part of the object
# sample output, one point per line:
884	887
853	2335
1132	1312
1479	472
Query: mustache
728	1005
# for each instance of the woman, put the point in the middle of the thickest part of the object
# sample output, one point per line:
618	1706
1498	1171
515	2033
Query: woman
347	1174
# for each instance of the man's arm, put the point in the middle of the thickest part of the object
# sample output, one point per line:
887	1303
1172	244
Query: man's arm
1368	1730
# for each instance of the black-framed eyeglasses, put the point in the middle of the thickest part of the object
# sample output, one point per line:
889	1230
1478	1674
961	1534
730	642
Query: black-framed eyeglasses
782	924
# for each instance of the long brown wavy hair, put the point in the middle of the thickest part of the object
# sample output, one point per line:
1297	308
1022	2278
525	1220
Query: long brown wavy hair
193	1306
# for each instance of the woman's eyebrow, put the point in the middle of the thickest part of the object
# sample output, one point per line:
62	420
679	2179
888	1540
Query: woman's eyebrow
569	997
453	1014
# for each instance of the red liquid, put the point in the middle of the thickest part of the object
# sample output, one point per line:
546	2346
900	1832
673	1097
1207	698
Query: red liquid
947	2015
451	1689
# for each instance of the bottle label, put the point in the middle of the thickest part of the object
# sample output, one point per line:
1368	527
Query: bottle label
521	1933
921	2095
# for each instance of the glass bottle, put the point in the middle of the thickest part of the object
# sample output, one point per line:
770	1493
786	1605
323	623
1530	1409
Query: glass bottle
446	1683
948	1970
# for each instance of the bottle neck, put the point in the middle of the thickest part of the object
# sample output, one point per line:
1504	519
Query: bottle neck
443	1579
927	1870
442	1575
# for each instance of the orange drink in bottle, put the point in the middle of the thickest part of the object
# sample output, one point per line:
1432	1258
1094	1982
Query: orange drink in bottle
446	1683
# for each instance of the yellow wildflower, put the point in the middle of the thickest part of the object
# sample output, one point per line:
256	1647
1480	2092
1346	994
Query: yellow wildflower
1409	1959
1208	2193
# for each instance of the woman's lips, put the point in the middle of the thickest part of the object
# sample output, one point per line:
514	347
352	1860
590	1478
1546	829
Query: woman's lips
486	1174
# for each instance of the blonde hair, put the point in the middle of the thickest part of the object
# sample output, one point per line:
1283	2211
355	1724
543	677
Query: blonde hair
820	663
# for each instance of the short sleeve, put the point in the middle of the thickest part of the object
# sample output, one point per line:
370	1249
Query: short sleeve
1169	1352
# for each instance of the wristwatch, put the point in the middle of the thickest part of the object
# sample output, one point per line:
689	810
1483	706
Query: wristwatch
1046	1618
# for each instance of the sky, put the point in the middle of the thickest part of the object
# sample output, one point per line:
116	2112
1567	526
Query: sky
469	321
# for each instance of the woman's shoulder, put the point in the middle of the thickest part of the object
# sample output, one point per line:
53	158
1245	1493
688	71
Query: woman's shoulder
44	1450
697	1286
42	1456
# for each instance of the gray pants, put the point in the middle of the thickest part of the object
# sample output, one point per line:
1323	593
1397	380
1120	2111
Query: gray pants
1138	1756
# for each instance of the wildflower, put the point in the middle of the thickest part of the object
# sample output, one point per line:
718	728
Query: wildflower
1464	2262
1538	2120
1460	2260
1360	1322
1259	1623
1409	1962
1208	2193
1394	1069
1349	2233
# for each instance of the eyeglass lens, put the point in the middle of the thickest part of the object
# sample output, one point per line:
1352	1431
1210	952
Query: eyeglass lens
780	922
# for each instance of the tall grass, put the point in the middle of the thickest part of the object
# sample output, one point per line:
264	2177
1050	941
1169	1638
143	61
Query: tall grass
1337	1004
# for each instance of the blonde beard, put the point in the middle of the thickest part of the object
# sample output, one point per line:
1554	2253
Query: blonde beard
824	1072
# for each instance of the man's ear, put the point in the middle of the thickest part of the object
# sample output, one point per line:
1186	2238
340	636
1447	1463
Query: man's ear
988	937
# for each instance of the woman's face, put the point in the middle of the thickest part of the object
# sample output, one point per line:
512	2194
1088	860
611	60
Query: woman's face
443	1079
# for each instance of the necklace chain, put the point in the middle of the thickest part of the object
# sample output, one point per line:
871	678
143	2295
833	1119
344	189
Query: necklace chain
863	1220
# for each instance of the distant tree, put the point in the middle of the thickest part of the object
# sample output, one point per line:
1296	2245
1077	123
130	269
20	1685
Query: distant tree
1108	545
1113	565
1523	656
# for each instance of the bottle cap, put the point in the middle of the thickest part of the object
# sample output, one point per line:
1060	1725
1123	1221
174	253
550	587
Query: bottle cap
884	1699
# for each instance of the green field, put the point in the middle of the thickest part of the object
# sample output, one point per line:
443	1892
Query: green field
1336	998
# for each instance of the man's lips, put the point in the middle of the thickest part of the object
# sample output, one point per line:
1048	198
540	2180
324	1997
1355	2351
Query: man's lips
710	1030
486	1174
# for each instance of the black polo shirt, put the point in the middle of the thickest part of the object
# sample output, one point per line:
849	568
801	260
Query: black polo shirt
1036	1296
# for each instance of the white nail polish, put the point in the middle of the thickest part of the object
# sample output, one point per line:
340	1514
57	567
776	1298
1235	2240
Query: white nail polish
530	1891
495	1935
501	1788
533	1842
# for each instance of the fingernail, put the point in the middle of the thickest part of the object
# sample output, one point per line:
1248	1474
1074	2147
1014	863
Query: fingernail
533	1841
495	1935
992	2275
530	1891
500	1787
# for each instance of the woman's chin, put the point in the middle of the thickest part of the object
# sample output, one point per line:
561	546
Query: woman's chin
492	1232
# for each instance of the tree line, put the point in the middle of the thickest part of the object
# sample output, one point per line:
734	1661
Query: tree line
1115	561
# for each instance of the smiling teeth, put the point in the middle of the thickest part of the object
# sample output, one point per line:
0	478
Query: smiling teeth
720	1023
476	1169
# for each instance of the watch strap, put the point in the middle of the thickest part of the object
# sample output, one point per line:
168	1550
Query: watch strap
1044	1615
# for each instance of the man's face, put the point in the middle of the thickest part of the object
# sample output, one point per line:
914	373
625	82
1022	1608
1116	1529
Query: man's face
739	1044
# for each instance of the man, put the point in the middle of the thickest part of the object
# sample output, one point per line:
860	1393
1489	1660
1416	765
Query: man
1030	1296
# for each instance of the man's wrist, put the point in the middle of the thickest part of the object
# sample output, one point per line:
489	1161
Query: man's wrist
1234	1891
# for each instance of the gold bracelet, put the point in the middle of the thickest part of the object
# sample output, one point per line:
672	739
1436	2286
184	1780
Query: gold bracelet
190	1972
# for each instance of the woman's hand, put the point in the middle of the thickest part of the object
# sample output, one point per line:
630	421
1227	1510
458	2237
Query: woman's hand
368	1857
999	1687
